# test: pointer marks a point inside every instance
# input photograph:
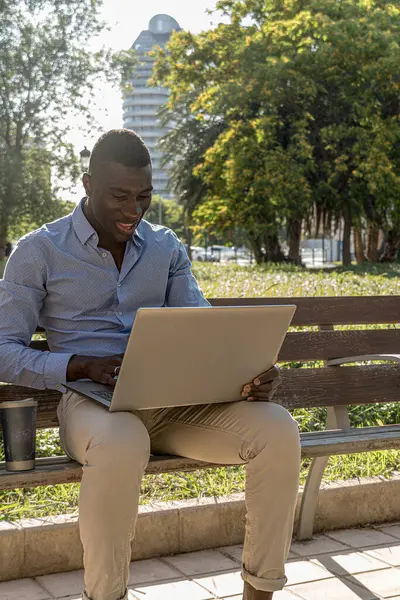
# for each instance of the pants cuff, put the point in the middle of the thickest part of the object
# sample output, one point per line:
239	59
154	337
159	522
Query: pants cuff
86	597
264	585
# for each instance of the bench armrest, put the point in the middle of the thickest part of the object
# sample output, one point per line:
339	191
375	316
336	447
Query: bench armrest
351	359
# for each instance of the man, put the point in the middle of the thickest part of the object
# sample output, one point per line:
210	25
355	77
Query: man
82	278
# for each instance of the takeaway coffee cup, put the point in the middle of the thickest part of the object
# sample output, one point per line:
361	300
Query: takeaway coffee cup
18	421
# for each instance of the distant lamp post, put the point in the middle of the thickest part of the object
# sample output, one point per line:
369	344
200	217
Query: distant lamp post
85	159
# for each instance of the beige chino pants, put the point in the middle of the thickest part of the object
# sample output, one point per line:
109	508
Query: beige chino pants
114	449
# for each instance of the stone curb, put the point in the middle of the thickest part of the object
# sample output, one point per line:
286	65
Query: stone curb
33	547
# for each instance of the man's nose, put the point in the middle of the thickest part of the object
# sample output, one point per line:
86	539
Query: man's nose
133	209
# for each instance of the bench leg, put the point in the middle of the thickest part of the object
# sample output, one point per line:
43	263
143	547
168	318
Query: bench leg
337	418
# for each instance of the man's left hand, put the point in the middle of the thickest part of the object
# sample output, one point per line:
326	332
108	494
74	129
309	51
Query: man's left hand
263	387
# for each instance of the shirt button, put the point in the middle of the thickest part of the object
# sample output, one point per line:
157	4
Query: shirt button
104	254
120	313
119	285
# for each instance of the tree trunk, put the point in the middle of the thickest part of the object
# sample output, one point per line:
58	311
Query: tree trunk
346	236
372	246
392	247
359	246
294	238
3	235
256	248
189	237
271	250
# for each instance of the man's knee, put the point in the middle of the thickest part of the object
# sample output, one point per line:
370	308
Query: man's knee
124	441
273	428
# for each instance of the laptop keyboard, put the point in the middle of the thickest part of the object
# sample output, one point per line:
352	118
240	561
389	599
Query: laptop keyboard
103	395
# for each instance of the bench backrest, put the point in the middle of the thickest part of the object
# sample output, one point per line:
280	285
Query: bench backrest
316	341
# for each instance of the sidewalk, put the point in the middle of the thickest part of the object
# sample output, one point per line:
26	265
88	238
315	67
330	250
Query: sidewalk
341	565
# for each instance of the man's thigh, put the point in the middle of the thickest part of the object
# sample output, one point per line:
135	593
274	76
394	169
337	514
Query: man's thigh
229	433
85	424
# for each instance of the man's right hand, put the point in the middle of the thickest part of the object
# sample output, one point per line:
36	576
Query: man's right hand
98	369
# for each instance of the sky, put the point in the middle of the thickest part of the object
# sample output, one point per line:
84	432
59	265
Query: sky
126	19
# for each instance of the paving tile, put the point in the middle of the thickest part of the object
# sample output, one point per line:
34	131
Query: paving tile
22	589
349	563
388	554
391	530
385	583
222	585
283	595
62	584
206	561
152	570
177	590
332	589
361	538
318	545
302	571
234	552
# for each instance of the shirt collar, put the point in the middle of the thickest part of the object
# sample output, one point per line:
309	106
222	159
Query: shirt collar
85	231
83	228
139	233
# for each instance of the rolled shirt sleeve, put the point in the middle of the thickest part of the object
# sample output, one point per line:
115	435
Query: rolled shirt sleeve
22	293
183	289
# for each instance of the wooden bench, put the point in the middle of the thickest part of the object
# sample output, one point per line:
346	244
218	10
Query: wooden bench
332	386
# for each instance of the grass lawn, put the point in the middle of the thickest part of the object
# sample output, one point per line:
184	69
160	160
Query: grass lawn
224	281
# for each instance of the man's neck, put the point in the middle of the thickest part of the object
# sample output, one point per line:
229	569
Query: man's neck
105	240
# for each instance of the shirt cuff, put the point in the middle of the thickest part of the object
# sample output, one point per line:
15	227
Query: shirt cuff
55	370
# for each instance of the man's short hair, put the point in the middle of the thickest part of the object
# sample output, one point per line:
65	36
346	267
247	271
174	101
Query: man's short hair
123	146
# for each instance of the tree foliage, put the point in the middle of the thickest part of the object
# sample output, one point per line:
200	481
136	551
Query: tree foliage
46	75
171	215
308	91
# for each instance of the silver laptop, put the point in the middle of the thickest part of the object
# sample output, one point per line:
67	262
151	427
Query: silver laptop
186	356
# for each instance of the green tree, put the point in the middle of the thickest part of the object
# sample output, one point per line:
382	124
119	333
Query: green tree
183	149
309	95
45	77
171	214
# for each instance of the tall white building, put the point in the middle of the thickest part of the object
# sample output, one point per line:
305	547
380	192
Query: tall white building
141	106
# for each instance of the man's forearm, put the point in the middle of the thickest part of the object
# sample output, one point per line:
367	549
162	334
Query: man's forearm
32	368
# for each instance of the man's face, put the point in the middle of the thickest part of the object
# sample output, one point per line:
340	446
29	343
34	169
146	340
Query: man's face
119	197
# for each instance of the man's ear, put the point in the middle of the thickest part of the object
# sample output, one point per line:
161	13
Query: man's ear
87	184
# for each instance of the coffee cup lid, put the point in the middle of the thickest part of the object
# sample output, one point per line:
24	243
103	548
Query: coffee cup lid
18	403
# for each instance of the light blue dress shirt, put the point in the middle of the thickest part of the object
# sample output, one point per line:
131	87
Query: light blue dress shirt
58	278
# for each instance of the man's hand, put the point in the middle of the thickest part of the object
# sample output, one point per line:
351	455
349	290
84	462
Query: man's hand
263	387
99	369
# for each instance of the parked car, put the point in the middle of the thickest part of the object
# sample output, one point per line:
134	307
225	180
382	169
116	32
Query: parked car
223	253
199	253
230	253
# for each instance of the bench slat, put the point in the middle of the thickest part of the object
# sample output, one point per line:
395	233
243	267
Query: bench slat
339	386
301	388
55	470
325	345
330	310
